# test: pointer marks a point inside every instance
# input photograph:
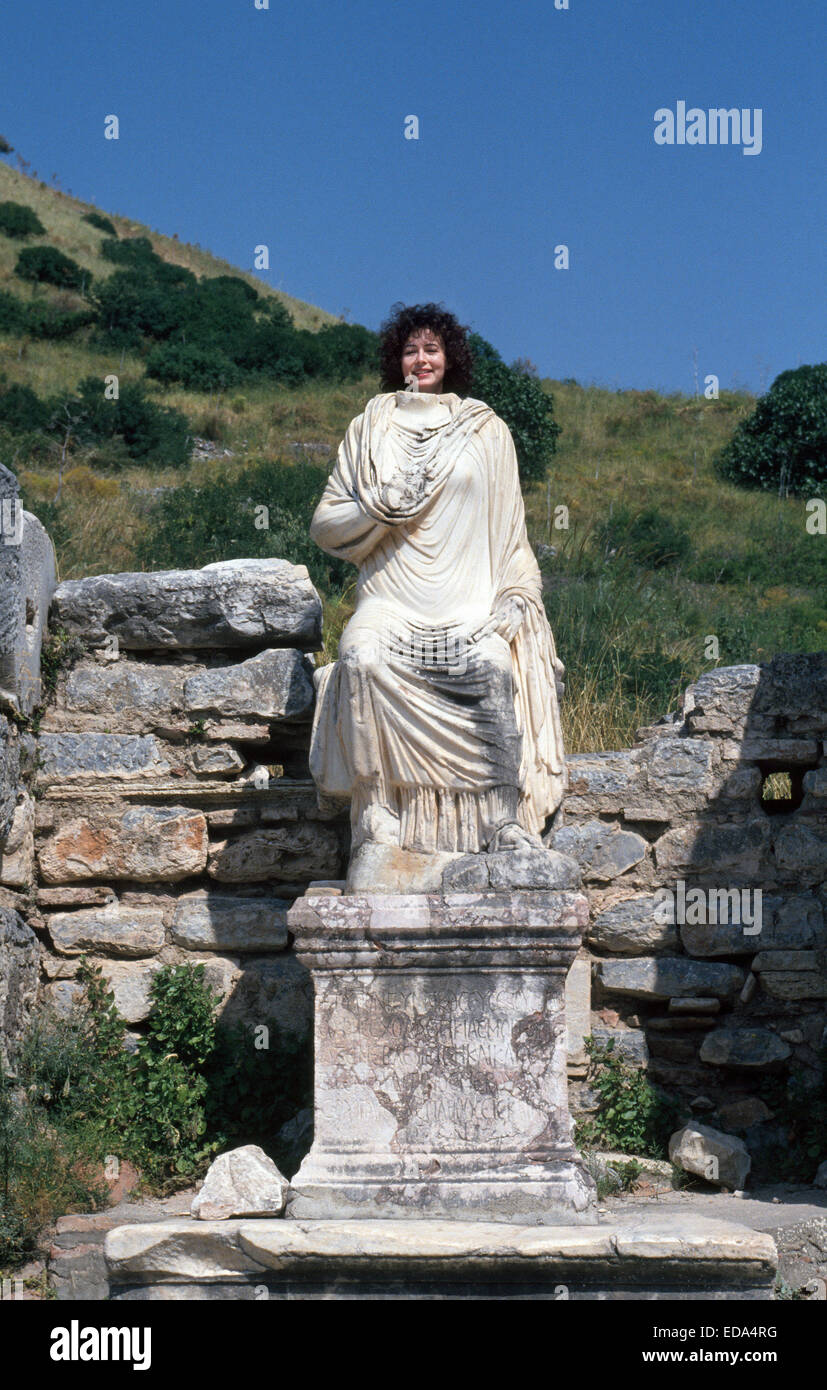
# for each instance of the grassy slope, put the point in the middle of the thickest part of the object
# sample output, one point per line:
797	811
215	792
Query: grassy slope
630	636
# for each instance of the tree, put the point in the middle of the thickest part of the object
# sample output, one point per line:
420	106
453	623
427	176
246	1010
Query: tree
521	402
783	443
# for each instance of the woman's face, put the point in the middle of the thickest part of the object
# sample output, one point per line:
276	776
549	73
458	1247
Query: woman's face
424	356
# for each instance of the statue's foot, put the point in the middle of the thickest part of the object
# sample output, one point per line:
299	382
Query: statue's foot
514	836
379	824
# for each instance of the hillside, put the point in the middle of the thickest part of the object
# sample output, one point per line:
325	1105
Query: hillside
658	558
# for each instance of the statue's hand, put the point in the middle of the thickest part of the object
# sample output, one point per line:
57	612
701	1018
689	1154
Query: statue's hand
506	621
559	673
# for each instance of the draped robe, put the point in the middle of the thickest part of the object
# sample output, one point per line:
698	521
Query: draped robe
439	547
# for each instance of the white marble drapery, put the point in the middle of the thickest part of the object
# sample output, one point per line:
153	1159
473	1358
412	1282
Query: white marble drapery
434	518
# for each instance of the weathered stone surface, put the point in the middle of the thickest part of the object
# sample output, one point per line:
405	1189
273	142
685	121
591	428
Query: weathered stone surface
679	765
578	999
785	960
233	603
130	983
602	781
742	1114
243	1182
17	850
742	847
628	1042
667	1255
145	843
801	850
711	1154
602	851
789	984
19	959
721	699
86	895
115	930
212	922
215	758
27	581
73	757
630	927
786	923
815	783
666	977
294	853
243	731
440	1058
135	696
694	1006
743	1047
276	684
376	868
507	869
9	771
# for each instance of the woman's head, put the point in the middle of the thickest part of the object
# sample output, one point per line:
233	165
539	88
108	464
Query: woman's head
428	341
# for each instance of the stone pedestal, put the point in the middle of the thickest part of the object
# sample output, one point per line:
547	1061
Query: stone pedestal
440	1068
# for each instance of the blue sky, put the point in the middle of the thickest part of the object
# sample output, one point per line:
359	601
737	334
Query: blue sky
285	126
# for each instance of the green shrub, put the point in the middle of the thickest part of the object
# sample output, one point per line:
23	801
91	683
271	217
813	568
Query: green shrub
193	526
52	322
103	224
197	368
17	220
648	538
151	433
521	402
48	265
21	410
782	445
633	1116
12	313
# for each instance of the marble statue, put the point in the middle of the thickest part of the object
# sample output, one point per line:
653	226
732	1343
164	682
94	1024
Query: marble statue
440	719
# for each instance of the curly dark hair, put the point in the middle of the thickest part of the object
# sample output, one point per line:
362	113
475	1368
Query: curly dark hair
404	320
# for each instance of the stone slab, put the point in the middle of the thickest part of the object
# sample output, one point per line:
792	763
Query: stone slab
232	603
661	1257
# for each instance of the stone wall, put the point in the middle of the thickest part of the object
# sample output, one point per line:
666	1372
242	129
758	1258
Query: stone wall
688	984
165	814
170	816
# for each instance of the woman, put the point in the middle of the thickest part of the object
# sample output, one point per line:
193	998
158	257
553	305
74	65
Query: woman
440	718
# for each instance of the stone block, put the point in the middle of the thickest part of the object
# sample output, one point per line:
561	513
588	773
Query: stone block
145	843
744	1047
115	929
578	995
508	869
216	759
785	960
786	923
715	848
275	684
602	781
721	699
293	854
134	695
790	984
72	757
630	928
232	603
679	765
742	1114
212	922
629	1043
602	851
711	1154
243	1182
275	991
801	851
9	772
667	977
19	970
786	752
17	850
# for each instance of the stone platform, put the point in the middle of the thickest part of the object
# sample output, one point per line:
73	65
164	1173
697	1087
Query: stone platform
440	1057
658	1259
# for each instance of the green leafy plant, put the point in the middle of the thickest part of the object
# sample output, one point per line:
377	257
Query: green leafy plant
103	224
17	220
521	402
46	263
633	1116
782	445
